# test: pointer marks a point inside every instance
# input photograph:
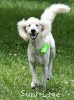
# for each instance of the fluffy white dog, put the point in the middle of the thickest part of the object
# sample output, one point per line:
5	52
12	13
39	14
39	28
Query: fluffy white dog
41	47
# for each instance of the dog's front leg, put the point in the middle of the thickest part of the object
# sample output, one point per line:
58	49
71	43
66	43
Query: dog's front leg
34	82
44	76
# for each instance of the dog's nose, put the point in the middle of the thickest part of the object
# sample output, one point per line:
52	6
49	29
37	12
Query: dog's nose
33	30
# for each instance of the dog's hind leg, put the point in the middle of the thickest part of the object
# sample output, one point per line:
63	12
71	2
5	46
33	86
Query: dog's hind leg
49	69
44	76
34	82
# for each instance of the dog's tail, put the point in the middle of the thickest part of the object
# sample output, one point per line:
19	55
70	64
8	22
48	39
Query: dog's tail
50	13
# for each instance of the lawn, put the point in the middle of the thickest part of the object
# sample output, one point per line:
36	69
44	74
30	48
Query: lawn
15	75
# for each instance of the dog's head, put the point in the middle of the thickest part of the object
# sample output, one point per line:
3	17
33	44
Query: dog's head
33	28
30	29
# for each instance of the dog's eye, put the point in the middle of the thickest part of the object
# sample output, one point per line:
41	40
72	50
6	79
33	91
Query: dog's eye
29	25
37	25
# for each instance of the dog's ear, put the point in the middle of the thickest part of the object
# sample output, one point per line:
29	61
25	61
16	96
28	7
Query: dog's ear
21	25
46	28
42	26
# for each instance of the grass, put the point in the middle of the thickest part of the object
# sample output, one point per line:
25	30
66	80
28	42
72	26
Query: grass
15	76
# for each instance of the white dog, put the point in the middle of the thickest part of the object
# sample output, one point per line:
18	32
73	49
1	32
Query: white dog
41	47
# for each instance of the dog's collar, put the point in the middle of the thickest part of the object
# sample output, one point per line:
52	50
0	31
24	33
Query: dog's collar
44	48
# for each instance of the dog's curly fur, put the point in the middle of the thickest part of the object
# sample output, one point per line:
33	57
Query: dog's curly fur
38	32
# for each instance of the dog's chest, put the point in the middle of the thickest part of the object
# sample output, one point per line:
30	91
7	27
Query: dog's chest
38	57
34	53
35	57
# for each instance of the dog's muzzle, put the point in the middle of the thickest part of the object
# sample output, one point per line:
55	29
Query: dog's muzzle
33	34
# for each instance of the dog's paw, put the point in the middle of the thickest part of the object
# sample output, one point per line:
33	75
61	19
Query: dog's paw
33	85
49	77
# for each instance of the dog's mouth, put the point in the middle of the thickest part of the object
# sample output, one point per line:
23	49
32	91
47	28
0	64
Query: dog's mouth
33	35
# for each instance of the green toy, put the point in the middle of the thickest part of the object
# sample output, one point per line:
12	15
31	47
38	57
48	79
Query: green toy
45	47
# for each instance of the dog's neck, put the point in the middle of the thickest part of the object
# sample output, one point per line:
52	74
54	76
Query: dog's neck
37	44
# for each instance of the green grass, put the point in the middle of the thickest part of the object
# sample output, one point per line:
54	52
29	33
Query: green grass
15	75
